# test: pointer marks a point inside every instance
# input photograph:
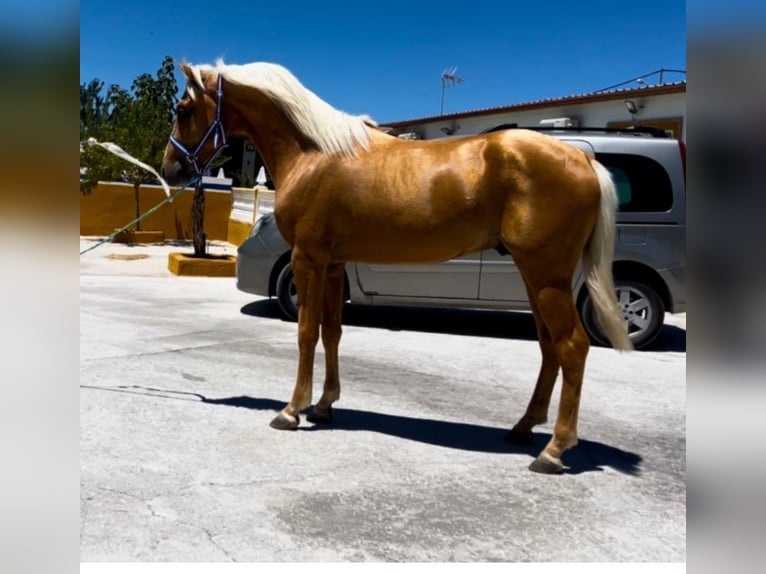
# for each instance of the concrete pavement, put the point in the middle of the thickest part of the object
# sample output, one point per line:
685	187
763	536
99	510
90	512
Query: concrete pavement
180	377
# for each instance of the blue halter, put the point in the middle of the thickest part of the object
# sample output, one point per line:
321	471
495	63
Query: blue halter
215	131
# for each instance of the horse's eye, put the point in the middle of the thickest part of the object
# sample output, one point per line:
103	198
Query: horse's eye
181	112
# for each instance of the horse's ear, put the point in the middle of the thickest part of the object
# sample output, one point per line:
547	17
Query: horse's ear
193	77
186	69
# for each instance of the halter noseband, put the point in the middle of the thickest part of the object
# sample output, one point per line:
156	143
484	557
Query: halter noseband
215	131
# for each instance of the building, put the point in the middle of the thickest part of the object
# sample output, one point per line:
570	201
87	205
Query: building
661	105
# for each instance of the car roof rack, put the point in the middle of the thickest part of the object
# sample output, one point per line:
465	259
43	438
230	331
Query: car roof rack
648	130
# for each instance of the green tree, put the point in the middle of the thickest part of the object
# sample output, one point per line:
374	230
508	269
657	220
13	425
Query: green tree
139	121
98	119
93	108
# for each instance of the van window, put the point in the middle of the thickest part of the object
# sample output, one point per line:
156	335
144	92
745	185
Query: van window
642	183
622	183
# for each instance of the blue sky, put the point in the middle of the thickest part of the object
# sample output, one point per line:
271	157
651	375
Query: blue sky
385	59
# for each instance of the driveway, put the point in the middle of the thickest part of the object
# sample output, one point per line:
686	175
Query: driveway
180	377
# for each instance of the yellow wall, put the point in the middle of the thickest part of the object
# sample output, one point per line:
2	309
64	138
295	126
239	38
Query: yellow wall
112	206
238	231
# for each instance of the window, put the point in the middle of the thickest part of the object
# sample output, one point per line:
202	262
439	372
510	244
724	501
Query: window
622	183
642	183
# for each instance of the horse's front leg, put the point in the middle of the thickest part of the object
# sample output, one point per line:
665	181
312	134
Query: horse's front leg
331	333
309	281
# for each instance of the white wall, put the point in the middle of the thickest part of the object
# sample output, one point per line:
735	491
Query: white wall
595	114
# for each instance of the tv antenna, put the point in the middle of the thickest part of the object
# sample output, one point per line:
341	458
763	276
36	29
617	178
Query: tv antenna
449	79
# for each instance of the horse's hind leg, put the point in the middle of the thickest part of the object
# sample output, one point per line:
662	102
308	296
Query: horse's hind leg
563	342
537	410
571	346
331	333
309	280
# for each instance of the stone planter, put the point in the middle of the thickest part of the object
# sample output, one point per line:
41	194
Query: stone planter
208	266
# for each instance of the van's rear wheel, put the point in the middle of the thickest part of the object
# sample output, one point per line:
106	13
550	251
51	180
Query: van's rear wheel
642	309
287	293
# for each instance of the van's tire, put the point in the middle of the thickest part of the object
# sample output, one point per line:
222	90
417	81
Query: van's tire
287	294
641	306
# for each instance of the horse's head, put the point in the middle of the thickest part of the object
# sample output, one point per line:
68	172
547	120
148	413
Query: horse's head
198	136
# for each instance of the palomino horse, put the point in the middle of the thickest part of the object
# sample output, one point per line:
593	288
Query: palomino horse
347	191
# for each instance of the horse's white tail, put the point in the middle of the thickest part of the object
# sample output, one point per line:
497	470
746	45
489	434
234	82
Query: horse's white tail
597	264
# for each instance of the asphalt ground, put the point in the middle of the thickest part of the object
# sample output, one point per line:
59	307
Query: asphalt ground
180	376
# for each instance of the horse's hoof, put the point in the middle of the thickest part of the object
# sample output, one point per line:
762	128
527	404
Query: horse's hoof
545	465
519	437
283	421
320	415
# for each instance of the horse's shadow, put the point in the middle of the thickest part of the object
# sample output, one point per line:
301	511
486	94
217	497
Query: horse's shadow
472	322
585	457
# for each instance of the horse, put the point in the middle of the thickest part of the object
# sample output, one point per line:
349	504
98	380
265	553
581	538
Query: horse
348	191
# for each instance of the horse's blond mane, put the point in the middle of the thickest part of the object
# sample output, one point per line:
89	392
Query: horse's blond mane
332	130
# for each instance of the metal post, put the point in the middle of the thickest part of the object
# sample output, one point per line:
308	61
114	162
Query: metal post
441	108
449	78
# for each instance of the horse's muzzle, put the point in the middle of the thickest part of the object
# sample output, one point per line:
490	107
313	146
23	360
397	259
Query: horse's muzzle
174	172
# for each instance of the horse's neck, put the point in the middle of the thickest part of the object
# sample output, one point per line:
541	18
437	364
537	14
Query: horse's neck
277	140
